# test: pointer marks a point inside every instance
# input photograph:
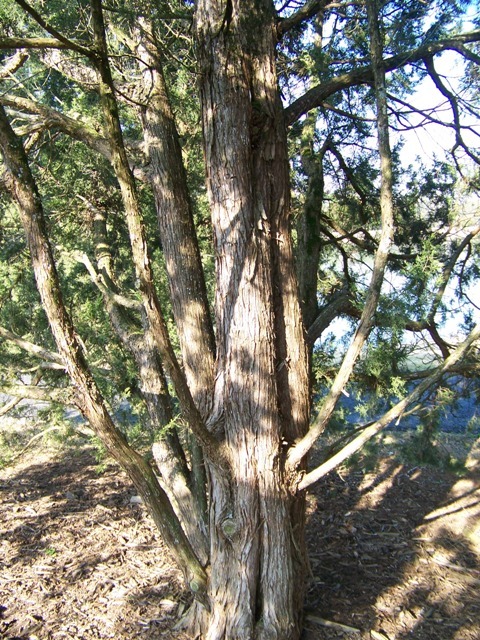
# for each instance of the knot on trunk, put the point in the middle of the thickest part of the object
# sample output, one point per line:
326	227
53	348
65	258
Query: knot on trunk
229	527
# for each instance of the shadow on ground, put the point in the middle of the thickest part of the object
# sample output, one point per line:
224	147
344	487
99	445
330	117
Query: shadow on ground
394	555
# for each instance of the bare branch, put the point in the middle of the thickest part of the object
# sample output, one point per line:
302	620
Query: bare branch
364	75
467	53
33	349
425	113
391	415
454	107
69	44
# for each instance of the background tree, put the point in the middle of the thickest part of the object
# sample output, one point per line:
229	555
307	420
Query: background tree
103	114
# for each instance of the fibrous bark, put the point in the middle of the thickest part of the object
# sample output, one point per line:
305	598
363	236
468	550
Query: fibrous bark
261	391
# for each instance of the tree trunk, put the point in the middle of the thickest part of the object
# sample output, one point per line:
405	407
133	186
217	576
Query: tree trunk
257	560
88	398
177	230
308	249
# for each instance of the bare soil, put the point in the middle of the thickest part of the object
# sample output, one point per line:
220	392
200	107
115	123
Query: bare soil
395	553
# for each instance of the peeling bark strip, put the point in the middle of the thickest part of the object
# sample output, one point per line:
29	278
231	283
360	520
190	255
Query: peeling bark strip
87	395
261	394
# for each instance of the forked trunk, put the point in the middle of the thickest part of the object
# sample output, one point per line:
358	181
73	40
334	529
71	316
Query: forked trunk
257	560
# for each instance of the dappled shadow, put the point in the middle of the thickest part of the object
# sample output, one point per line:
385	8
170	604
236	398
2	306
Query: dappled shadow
394	552
42	493
77	556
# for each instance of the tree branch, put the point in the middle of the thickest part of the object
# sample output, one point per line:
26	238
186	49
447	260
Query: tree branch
309	10
13	64
364	75
69	44
139	246
391	415
31	43
33	349
8	406
454	107
87	394
349	174
136	337
325	317
44	394
298	451
96	278
447	272
176	225
54	119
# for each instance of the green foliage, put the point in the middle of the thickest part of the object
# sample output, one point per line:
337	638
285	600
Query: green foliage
335	183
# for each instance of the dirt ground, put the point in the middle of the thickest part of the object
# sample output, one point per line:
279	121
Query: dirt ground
395	554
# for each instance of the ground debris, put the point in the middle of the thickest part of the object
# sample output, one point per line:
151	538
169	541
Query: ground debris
395	554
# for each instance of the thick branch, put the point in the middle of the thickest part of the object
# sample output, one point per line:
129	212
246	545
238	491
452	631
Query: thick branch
8	406
87	395
139	246
44	394
54	119
137	339
309	10
364	75
177	228
69	44
111	296
13	64
33	349
325	317
381	256
391	415
31	43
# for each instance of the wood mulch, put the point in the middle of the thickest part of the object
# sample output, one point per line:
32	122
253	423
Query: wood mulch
395	554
